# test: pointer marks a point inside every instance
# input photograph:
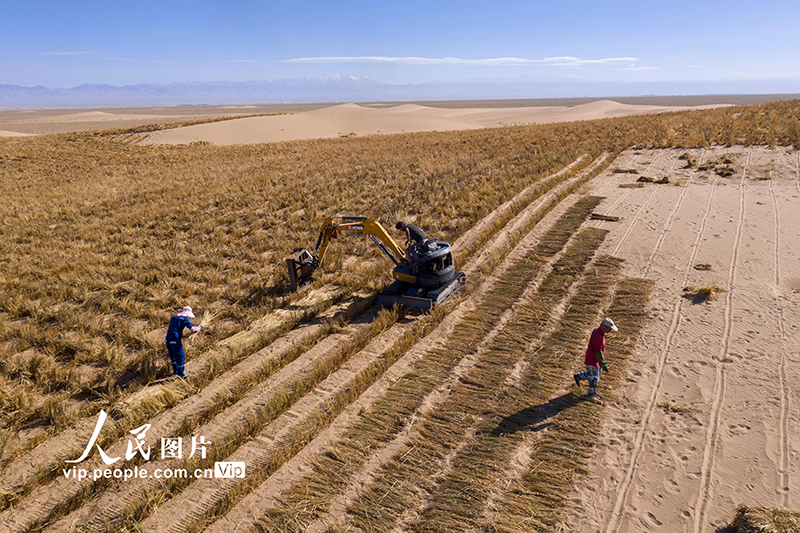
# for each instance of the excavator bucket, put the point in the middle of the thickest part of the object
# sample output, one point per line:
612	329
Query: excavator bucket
301	267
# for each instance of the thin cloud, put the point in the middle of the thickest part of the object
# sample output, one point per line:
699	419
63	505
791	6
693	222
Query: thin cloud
95	54
641	69
566	61
67	53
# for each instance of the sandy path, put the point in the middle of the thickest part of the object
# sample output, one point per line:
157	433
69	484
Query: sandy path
725	366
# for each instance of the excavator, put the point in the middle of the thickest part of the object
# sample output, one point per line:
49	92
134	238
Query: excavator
424	274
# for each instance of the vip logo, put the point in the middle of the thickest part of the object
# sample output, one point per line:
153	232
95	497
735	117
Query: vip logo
227	469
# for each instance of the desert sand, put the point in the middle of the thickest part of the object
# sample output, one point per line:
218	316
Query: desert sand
352	119
708	414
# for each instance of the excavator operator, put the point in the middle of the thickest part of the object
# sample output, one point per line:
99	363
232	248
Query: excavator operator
414	235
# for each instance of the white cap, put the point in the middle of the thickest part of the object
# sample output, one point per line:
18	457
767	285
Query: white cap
610	323
186	311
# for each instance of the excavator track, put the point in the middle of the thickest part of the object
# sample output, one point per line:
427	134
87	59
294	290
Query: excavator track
408	295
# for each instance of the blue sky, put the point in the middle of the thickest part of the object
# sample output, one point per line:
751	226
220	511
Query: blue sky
64	44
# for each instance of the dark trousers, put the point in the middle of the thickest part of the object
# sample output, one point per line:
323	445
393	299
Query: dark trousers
176	355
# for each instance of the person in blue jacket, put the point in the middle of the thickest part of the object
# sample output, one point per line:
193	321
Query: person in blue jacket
179	321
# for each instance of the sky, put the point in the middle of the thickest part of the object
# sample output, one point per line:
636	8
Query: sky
60	44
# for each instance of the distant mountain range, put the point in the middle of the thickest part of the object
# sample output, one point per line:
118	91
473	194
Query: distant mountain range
353	89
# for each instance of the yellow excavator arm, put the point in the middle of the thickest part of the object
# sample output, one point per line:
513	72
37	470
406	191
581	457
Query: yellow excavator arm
303	264
364	225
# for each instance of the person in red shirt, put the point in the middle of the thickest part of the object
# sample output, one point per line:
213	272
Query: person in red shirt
594	358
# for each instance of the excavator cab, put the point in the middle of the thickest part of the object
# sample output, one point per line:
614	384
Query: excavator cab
429	277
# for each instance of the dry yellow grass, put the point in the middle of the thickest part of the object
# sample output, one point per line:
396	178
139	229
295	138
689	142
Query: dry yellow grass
763	520
103	240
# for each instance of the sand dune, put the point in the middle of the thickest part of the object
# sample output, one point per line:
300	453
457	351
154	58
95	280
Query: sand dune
43	121
95	116
4	133
348	119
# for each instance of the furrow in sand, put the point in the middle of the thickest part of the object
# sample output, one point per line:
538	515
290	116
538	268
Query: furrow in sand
785	393
718	398
614	521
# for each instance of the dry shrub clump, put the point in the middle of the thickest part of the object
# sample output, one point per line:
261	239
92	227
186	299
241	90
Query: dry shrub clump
702	294
763	520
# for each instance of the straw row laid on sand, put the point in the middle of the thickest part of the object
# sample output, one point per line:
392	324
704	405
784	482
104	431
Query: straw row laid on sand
205	499
228	430
392	413
536	500
453	499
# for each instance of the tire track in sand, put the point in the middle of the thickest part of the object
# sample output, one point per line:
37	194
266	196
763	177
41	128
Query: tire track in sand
639	212
614	520
627	192
668	222
718	399
785	397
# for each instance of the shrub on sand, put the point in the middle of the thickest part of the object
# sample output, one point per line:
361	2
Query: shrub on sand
763	520
702	294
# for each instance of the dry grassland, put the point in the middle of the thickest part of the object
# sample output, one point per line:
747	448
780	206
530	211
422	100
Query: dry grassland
103	240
